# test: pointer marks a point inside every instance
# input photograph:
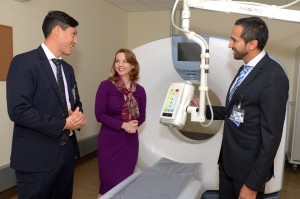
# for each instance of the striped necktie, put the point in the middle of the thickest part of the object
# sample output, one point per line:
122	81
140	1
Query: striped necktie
238	81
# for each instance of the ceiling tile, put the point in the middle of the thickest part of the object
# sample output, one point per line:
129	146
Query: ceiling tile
134	7
161	6
156	1
117	2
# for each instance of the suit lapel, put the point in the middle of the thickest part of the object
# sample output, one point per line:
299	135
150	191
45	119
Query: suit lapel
49	73
253	73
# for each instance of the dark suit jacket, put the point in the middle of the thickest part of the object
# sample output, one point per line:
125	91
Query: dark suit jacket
35	107
248	151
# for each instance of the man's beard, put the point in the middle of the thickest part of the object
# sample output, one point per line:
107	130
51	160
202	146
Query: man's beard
239	55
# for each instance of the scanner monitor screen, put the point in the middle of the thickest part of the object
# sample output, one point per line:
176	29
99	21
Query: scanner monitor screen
186	57
189	52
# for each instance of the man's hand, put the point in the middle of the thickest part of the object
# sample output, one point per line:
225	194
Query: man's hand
195	101
247	193
76	120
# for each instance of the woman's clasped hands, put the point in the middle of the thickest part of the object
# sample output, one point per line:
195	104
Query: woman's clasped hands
131	126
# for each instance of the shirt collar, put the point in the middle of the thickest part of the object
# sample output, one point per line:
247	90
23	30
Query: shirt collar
48	53
256	59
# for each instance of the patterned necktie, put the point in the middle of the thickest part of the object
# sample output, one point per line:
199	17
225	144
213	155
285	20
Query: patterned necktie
238	81
61	87
60	81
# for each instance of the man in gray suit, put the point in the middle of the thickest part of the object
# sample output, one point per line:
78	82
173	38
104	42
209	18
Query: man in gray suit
44	104
253	115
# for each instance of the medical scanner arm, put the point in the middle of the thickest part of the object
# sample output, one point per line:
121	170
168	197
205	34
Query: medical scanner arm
198	116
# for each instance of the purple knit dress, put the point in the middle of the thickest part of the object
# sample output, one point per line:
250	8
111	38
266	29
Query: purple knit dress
117	149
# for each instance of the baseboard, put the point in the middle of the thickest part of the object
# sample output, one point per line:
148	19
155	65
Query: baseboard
7	177
7	174
88	145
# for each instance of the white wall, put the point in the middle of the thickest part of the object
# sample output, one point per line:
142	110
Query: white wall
102	30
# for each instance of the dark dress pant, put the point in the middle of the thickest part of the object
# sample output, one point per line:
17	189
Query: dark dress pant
55	184
229	188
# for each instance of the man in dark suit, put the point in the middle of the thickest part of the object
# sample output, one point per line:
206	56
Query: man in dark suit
44	104
253	116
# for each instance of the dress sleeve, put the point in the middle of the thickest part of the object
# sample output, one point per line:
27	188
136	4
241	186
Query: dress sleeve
101	108
142	106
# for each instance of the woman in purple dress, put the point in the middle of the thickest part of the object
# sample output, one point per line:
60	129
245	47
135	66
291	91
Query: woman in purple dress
120	107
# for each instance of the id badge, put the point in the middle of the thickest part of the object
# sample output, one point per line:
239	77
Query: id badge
238	114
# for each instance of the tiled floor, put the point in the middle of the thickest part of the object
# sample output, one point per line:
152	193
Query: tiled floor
86	181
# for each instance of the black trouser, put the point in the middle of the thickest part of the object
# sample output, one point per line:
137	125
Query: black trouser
229	188
55	184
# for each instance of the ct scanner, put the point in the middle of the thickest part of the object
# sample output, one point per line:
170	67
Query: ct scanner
157	141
